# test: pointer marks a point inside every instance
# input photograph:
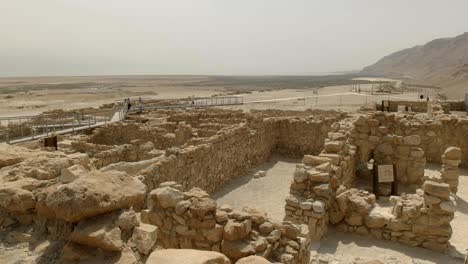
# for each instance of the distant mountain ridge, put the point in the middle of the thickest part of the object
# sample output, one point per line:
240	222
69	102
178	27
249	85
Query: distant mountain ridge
442	62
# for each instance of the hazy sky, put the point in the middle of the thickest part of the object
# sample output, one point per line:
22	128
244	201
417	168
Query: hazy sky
245	37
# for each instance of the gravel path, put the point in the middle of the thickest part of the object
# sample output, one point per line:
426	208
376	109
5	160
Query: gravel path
267	193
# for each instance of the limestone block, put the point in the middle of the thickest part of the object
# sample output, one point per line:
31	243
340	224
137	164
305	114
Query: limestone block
448	206
354	219
236	230
98	232
144	237
317	176
221	216
127	220
237	249
16	199
182	207
385	149
72	173
432	245
333	146
166	197
215	234
336	136
450	174
440	190
450	163
417	153
324	167
413	140
186	256
253	260
333	158
202	206
376	219
383	130
306	205
314	160
266	228
257	216
300	174
90	195
452	153
318	206
290	230
196	192
361	121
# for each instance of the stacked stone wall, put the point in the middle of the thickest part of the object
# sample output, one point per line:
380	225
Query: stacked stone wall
419	219
192	220
210	162
216	160
374	140
316	181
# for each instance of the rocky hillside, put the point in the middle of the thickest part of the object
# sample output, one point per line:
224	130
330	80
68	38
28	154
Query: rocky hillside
441	62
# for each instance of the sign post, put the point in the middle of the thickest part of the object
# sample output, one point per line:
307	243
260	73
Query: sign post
384	174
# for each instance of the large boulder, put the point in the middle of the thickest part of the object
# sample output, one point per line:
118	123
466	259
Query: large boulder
100	232
235	230
93	194
186	256
166	197
144	237
8	158
253	260
237	249
16	199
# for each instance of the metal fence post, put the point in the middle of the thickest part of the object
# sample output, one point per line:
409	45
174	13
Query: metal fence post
7	135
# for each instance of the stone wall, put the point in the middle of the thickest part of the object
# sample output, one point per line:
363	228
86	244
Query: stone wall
316	181
214	161
209	163
450	172
415	106
420	219
454	106
297	137
323	193
373	140
192	220
436	133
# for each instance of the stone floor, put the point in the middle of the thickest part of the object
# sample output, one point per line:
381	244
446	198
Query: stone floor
267	193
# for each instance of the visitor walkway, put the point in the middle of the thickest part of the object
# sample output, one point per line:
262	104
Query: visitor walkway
117	114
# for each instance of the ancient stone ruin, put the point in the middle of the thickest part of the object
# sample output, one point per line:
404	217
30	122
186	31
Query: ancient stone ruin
135	192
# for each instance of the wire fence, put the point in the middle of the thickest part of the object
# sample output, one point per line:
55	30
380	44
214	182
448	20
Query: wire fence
25	128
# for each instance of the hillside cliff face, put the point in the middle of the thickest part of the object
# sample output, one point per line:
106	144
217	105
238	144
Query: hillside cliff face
441	60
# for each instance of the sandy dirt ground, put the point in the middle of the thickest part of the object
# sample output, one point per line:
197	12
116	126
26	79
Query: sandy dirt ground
328	98
348	248
29	96
266	193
